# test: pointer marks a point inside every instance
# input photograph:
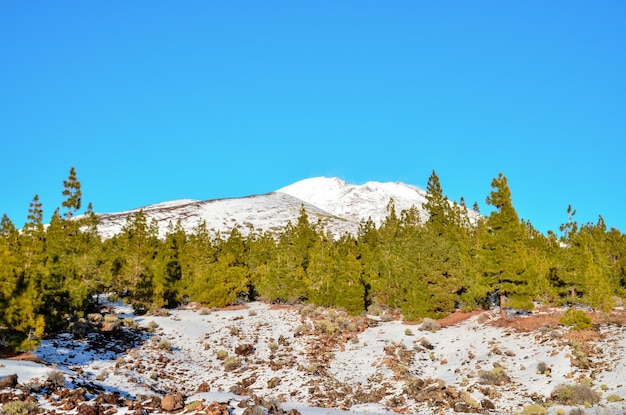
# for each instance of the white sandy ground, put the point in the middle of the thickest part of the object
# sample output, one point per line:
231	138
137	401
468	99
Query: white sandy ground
457	356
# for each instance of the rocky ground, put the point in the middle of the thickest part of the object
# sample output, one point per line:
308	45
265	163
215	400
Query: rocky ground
261	358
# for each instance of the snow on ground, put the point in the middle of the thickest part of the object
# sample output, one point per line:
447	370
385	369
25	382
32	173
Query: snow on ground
279	354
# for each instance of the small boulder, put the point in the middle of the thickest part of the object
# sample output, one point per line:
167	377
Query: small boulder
487	404
244	350
172	402
9	381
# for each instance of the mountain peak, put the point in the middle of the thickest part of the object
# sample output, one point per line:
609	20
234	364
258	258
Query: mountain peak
339	206
356	202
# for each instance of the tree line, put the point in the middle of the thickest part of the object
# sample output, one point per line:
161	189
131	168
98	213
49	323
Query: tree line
51	275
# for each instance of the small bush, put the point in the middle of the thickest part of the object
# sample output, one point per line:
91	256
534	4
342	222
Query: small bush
95	318
428	324
130	323
222	354
56	378
234	331
300	330
326	326
252	313
543	368
104	373
614	398
152	326
204	311
273	346
467	398
231	363
408	332
18	407
374	310
534	409
312	369
165	345
577	319
426	344
193	406
254	410
569	394
497	376
577	411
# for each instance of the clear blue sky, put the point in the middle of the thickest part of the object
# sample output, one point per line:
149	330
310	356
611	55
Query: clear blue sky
153	100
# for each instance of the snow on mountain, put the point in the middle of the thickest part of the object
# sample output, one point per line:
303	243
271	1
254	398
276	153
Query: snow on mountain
357	202
260	213
340	208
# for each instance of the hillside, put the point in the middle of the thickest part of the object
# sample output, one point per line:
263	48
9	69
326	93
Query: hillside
315	360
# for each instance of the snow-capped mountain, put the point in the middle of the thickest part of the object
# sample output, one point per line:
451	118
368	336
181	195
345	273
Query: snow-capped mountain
356	202
338	206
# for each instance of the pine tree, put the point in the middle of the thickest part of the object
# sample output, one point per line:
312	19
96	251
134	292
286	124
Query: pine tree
73	194
200	256
21	311
437	205
167	267
286	279
134	249
504	254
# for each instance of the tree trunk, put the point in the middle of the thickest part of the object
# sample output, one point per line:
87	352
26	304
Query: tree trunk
502	309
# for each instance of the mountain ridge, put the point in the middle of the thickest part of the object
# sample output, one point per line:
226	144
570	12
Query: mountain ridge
339	207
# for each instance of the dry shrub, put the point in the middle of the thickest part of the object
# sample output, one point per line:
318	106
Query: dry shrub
571	394
428	324
19	407
56	378
231	363
497	376
577	411
534	409
542	368
426	344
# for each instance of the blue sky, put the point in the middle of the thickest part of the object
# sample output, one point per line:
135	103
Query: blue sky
152	101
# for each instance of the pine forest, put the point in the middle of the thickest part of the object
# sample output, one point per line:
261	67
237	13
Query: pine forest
52	275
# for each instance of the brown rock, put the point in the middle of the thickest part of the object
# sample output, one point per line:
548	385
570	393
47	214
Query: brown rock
68	405
172	402
9	381
487	404
204	387
273	382
87	409
244	350
216	408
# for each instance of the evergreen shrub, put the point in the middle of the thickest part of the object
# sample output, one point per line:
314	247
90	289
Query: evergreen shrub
576	319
